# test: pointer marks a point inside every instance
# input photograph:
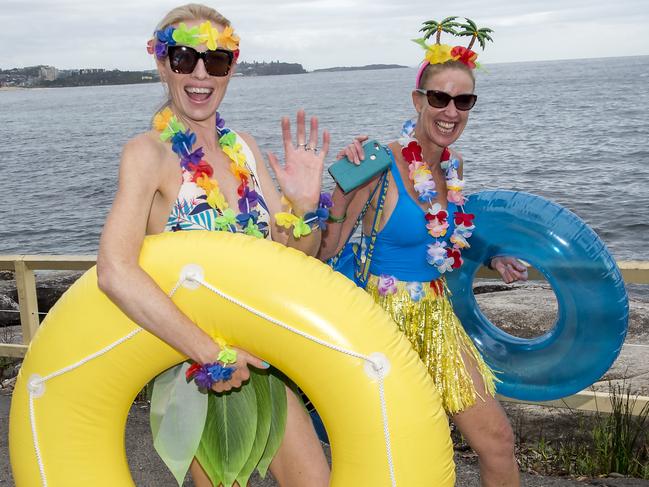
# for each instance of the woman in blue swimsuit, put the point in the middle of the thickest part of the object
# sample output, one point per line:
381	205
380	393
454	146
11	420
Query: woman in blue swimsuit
190	172
421	233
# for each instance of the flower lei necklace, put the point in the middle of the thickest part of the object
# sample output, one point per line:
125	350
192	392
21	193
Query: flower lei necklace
182	142
439	254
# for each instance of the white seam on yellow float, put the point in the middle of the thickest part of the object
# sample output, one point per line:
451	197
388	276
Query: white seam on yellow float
377	365
32	419
36	382
386	430
41	382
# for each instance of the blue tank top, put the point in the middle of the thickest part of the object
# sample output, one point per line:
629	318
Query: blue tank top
400	247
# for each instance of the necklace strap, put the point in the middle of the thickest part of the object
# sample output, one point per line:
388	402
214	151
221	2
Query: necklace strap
365	269
361	269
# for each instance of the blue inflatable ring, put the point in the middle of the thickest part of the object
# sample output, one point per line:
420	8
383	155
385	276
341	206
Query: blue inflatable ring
592	302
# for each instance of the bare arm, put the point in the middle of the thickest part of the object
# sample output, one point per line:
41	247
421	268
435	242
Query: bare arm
346	206
125	282
509	268
349	206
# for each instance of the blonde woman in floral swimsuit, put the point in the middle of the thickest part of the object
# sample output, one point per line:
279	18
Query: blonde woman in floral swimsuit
189	173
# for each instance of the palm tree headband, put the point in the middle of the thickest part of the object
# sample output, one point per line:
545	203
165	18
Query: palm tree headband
439	53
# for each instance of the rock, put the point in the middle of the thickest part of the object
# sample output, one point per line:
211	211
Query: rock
6	275
638	319
9	372
490	288
11	334
8	384
524	310
49	288
10	316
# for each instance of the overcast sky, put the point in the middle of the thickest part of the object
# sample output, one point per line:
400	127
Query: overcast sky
321	33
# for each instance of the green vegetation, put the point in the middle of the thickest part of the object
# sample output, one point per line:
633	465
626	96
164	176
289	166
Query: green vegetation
100	77
272	68
615	443
51	77
367	67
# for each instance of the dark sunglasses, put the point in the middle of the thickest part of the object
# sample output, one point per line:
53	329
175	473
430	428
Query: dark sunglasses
183	60
439	99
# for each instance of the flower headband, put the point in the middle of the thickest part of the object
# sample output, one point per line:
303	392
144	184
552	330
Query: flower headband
203	34
438	53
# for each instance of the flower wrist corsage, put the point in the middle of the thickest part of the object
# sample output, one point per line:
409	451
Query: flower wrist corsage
206	375
311	220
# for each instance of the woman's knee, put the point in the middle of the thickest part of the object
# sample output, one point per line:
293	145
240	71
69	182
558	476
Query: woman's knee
497	439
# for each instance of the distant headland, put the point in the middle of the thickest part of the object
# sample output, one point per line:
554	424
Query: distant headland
359	68
50	77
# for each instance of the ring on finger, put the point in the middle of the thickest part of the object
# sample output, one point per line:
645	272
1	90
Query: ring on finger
314	149
302	145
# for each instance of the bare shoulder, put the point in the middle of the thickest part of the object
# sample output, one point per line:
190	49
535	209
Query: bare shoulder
144	153
145	146
252	143
248	139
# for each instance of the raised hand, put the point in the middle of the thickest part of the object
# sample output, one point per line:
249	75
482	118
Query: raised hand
510	269
300	179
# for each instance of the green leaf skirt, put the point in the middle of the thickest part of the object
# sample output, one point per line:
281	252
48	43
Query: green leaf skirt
230	434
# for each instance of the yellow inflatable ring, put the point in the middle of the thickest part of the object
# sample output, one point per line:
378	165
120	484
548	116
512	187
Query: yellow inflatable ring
88	361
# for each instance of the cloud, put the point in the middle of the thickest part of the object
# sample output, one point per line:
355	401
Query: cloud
321	33
531	19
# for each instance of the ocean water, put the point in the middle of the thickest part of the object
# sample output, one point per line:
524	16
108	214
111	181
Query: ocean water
576	132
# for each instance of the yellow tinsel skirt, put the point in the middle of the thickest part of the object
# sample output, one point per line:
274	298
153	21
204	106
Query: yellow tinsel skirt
424	313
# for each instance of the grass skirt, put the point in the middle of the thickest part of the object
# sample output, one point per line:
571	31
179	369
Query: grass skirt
425	315
231	434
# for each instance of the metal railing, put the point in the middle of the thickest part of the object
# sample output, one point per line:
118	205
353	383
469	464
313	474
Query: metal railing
23	266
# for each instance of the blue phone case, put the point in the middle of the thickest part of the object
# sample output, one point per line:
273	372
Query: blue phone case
349	176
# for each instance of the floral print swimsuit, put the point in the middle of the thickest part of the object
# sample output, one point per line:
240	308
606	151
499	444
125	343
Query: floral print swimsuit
192	212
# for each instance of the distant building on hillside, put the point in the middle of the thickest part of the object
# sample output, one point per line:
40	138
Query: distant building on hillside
48	73
92	71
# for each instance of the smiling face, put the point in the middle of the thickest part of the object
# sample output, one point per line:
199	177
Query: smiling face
442	126
196	95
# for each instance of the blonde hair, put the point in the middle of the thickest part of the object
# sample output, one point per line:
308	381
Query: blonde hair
192	11
432	69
